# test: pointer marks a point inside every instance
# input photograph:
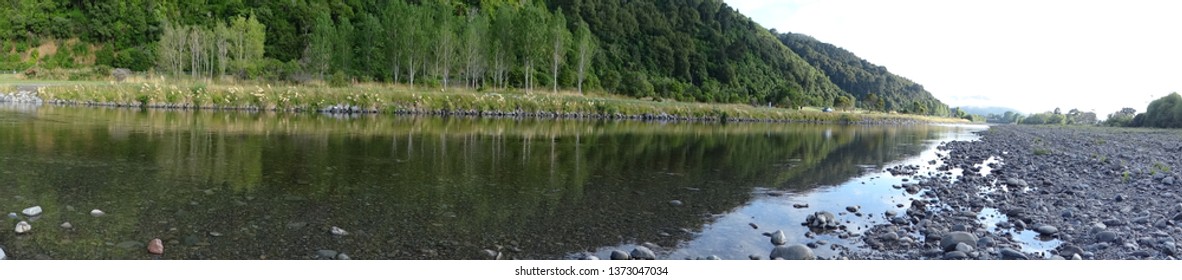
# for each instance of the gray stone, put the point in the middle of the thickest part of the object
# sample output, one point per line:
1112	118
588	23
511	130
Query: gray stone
1106	236
1011	254
22	227
2	255
1067	250
1119	198
713	258
889	237
1114	222
97	213
676	202
949	240
1016	182
620	255
985	242
891	213
754	257
1046	230
778	238
1076	257
67	225
792	252
13	216
215	234
326	254
852	209
964	247
343	257
1168	181
32	211
1141	254
955	255
643	253
822	219
338	231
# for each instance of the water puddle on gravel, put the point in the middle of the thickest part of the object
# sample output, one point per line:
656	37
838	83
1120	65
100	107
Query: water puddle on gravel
1030	241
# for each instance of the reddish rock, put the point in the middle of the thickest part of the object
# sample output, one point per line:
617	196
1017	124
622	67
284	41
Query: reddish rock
156	247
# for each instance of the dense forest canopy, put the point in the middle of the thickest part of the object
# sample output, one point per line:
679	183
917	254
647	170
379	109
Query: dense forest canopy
878	88
692	50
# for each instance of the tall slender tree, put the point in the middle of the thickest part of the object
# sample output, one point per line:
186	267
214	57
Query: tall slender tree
559	36
586	48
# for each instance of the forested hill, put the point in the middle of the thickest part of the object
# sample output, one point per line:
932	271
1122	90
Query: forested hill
701	50
866	81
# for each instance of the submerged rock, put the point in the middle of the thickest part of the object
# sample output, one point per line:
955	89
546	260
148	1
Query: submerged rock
67	225
2	255
1046	230
793	252
32	211
97	213
12	215
338	231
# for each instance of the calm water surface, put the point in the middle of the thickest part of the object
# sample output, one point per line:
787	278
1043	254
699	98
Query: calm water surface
234	185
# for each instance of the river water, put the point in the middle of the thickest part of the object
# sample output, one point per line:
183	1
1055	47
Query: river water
239	185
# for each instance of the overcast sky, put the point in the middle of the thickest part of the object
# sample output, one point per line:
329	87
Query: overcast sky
1028	55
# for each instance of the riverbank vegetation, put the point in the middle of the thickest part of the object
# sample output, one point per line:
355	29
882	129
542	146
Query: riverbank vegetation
683	50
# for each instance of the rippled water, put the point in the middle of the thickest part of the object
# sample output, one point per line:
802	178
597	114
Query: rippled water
233	185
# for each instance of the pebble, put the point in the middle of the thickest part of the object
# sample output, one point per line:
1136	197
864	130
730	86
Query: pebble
955	255
964	248
675	202
1141	254
852	209
97	213
23	227
1011	254
778	238
3	256
1106	236
620	255
792	252
67	225
343	257
32	211
215	234
12	215
1046	230
889	237
891	213
754	257
338	231
643	253
798	205
948	241
156	247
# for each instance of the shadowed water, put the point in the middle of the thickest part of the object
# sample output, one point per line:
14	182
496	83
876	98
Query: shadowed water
234	185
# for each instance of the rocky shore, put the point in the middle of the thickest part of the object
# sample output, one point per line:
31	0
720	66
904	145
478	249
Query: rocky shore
1034	192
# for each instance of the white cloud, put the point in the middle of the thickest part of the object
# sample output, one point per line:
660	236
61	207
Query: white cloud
1029	55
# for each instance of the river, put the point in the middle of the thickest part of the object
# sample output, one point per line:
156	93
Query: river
240	185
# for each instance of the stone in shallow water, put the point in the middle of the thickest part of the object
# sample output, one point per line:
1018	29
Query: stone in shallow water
778	238
2	255
67	225
12	216
156	247
1046	230
23	227
792	252
339	231
32	211
642	253
97	213
676	202
620	255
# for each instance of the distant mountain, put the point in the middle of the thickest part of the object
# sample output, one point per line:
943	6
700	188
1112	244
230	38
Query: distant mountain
987	110
862	78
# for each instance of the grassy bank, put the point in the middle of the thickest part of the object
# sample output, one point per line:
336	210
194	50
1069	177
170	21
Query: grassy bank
396	99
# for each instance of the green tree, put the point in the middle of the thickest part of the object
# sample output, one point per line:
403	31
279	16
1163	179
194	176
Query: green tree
559	36
586	48
318	56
